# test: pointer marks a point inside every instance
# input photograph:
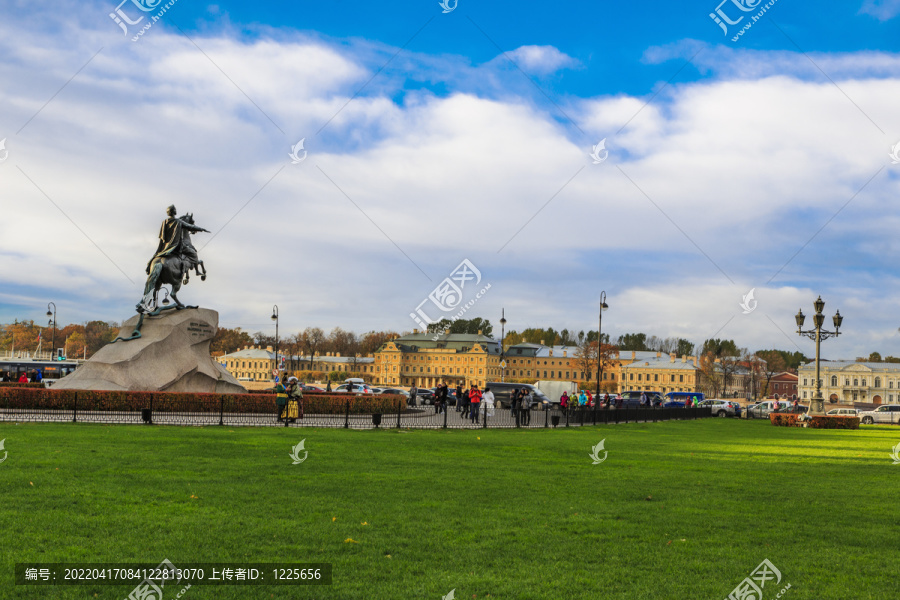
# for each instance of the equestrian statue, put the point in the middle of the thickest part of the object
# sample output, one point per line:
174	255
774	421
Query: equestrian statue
171	265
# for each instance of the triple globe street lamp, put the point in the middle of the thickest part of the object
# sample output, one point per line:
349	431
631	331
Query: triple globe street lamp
817	404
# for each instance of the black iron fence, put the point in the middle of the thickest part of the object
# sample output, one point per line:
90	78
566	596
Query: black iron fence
168	411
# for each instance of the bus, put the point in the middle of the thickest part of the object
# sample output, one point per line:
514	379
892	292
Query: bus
684	397
50	369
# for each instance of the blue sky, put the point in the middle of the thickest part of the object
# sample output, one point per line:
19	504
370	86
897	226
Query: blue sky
432	138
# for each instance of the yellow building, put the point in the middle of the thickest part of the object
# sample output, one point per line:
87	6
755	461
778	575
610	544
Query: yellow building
427	359
256	365
660	373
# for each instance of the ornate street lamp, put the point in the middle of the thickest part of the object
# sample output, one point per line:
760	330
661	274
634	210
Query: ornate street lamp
275	318
817	404
603	306
53	340
502	347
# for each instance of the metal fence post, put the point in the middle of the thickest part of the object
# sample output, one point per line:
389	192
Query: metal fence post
445	417
399	412
151	409
568	410
347	415
75	409
221	410
547	416
480	404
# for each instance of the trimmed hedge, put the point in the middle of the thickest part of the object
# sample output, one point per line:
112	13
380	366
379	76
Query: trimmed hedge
95	400
816	422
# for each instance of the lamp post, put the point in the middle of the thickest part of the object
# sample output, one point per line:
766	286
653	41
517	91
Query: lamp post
502	347
53	339
603	306
817	404
275	318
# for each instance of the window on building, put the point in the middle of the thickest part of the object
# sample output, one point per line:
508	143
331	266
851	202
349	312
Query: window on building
864	382
805	381
804	394
834	380
878	382
631	376
655	377
681	379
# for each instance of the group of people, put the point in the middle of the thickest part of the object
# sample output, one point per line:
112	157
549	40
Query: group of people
472	403
34	377
289	399
586	399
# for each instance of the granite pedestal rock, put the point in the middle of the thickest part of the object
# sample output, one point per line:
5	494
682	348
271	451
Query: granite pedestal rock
172	355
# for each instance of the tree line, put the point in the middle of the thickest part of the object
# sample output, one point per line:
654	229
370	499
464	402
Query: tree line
77	340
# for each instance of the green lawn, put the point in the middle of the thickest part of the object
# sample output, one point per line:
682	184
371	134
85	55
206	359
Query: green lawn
678	509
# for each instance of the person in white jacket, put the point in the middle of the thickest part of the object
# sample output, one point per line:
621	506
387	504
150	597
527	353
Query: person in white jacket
487	401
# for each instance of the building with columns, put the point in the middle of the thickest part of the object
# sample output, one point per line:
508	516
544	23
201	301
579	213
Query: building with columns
846	382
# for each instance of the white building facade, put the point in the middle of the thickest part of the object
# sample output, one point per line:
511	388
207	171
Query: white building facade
846	382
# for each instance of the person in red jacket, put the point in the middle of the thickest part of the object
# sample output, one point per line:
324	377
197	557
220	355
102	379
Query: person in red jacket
23	378
475	399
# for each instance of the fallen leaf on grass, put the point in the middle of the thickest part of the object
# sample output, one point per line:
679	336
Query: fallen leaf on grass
31	482
333	519
364	523
387	555
194	497
350	541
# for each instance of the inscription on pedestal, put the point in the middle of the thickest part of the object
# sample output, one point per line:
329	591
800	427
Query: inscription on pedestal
200	330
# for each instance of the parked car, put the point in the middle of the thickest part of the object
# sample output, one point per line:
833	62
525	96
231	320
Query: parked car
503	394
762	410
632	399
424	396
393	391
723	408
358	388
843	412
889	413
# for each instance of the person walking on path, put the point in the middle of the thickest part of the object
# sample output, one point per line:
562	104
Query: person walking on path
644	400
475	400
413	392
487	401
582	398
459	393
564	402
525	419
328	387
606	400
466	403
294	399
514	402
444	392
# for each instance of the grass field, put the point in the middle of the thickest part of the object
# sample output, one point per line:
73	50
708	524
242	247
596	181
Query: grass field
677	510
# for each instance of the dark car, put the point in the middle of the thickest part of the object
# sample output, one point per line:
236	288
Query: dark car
424	396
503	395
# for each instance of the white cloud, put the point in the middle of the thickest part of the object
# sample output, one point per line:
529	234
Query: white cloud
883	10
541	59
